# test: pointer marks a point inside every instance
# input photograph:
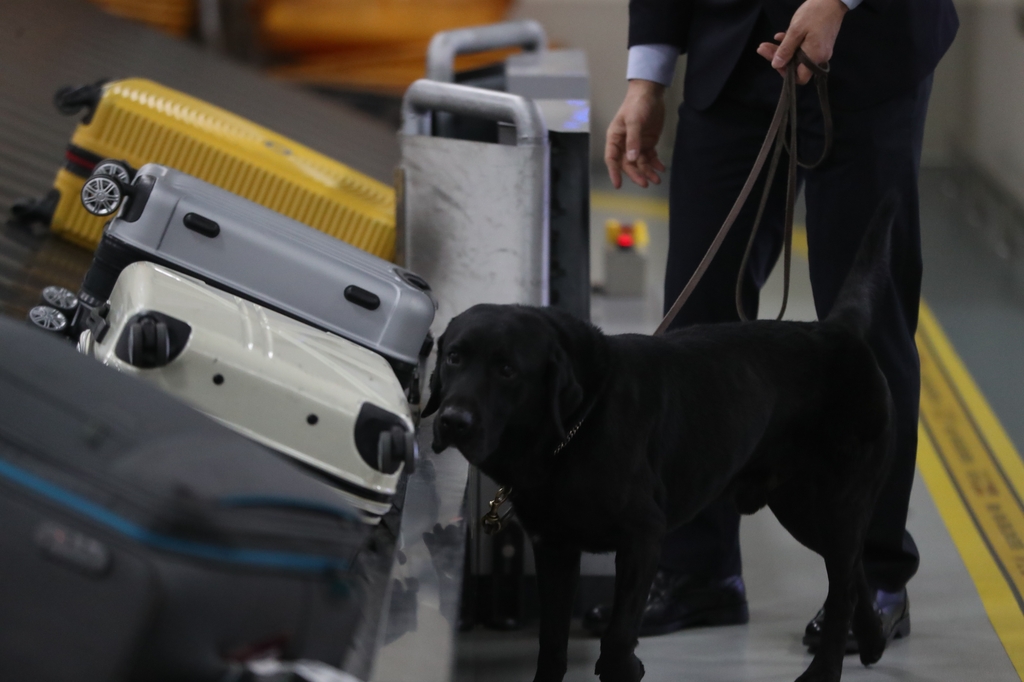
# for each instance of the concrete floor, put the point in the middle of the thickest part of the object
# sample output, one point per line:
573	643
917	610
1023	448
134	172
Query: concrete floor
976	300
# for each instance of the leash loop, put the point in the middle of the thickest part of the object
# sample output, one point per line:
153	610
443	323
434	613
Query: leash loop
784	120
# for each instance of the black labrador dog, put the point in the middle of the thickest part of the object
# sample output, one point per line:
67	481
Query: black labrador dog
609	442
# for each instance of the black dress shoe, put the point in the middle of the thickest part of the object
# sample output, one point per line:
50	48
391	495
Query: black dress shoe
677	601
892	607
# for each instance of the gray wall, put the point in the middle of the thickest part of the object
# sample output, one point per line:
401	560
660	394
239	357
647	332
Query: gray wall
994	101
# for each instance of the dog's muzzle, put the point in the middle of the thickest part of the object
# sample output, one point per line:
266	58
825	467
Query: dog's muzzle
453	426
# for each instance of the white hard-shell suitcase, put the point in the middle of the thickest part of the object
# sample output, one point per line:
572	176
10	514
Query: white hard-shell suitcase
174	219
330	404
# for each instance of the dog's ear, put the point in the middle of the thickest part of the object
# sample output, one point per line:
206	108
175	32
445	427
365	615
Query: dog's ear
566	393
435	382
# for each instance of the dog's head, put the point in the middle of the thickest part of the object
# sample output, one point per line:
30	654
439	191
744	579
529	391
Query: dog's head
501	372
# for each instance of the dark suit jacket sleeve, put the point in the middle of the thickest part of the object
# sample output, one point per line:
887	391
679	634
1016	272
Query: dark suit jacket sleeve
876	5
665	22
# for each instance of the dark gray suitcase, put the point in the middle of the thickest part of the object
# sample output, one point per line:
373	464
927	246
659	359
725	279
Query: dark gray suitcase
142	541
237	245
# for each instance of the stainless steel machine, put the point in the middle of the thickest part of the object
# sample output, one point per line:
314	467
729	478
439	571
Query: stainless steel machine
494	206
558	82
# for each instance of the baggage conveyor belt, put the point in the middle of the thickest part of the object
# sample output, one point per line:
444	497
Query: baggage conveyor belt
46	44
416	559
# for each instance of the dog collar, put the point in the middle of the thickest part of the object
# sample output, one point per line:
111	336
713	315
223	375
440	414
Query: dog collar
586	413
494	521
570	434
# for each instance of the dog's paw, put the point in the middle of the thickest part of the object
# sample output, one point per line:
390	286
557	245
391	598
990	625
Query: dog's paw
619	668
871	647
870	639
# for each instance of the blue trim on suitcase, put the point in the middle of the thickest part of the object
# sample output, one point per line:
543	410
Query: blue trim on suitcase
250	557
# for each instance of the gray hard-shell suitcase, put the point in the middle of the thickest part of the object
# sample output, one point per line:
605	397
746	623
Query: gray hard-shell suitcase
142	541
239	246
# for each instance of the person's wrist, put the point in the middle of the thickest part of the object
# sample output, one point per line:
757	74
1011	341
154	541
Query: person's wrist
641	87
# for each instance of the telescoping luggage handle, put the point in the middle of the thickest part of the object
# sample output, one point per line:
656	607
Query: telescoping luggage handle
425	96
447	45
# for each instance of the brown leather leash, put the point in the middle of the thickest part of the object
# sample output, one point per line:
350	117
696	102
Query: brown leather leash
784	120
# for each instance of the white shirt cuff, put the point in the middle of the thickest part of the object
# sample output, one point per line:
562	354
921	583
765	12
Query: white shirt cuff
852	4
655	62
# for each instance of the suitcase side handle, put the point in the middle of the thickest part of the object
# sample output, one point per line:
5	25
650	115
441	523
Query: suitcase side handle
447	45
425	96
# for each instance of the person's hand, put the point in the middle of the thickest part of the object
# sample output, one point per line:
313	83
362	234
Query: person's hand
813	29
632	137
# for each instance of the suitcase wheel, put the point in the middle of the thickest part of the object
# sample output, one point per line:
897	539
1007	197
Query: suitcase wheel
102	194
149	344
413	279
149	339
48	319
61	298
116	169
394	447
382	439
410	450
384	452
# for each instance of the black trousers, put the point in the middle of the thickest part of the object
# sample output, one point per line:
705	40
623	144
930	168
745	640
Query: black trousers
875	150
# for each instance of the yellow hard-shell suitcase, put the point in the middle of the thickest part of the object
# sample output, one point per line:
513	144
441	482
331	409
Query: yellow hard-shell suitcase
141	122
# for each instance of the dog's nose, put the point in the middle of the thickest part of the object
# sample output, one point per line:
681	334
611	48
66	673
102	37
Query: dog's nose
455	421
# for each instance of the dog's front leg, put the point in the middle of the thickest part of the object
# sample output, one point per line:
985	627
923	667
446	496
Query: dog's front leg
558	570
635	566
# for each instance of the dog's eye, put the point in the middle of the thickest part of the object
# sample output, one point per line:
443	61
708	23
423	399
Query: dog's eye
506	371
454	358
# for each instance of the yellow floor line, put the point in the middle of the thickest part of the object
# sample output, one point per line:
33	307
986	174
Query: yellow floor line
647	207
800	240
975	476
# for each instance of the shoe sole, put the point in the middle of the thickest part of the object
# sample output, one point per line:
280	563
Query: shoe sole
899	631
711	618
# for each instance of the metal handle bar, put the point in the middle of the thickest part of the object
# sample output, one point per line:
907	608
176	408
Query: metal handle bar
445	46
425	96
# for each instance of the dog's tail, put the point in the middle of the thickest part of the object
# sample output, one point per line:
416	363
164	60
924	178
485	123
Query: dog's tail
854	306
